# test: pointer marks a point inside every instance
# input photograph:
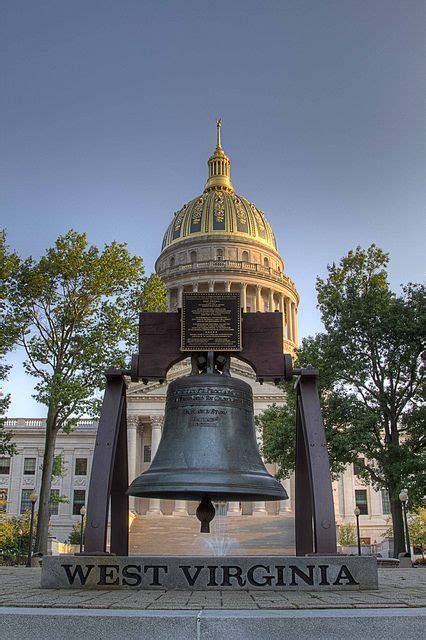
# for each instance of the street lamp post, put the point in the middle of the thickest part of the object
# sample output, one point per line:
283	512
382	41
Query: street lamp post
357	513
82	513
33	500
403	496
20	533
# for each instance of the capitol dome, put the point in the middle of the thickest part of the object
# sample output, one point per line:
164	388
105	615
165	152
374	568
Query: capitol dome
221	241
219	210
220	213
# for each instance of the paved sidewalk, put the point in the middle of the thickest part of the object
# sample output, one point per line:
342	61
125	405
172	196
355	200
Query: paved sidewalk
19	587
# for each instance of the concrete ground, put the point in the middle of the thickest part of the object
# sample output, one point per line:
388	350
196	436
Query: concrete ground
98	624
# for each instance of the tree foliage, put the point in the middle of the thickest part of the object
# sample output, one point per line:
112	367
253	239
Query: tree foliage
78	307
75	534
417	528
371	362
346	535
9	332
15	533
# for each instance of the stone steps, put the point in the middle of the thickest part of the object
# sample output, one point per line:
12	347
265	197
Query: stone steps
244	535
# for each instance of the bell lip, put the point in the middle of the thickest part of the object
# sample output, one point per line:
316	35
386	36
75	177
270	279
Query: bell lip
218	494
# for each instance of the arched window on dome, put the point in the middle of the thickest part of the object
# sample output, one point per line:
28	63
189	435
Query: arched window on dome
172	261
219	254
245	256
265	262
193	256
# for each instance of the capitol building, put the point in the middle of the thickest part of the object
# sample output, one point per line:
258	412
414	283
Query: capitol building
218	241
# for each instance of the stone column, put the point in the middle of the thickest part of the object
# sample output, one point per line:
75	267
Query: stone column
228	285
180	297
287	319
259	508
244	296
233	509
258	296
293	332
285	505
168	294
296	326
132	435
211	285
156	425
271	300
180	508
65	509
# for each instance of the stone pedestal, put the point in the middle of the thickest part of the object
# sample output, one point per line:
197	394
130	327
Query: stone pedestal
238	573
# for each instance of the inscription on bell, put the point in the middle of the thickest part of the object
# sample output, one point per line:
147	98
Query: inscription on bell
206	417
211	321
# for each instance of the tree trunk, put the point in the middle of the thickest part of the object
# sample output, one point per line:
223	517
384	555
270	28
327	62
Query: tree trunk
397	525
46	482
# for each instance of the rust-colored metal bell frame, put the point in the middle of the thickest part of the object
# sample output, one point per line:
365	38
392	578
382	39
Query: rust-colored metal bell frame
208	450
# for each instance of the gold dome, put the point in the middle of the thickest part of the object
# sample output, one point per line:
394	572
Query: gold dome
219	210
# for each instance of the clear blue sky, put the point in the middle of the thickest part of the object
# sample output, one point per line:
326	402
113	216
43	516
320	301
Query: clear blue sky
107	118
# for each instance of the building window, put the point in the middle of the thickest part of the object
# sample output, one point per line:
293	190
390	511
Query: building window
265	262
80	467
193	256
25	500
78	501
245	256
386	508
361	501
219	254
3	499
29	466
172	261
54	502
147	453
359	466
4	466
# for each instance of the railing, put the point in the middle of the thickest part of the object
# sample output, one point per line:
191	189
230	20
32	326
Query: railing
40	423
237	265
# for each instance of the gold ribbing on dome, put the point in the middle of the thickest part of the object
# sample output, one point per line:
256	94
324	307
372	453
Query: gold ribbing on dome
219	166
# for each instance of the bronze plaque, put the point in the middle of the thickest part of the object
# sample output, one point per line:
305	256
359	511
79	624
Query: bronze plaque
211	321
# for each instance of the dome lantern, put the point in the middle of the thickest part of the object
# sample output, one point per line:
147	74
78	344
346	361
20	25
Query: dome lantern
219	166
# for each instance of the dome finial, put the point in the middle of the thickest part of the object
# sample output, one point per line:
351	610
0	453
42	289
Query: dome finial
219	166
218	126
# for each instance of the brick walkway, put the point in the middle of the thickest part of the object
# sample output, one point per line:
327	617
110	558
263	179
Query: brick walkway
19	587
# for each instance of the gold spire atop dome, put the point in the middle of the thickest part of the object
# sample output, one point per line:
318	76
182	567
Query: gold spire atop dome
218	126
219	166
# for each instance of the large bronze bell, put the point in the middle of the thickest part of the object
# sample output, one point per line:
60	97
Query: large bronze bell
208	450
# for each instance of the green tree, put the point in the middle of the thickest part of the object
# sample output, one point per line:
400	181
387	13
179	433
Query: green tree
75	535
417	528
15	533
79	307
371	380
9	332
346	535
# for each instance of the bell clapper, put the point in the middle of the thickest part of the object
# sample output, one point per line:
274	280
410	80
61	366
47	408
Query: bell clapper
205	513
